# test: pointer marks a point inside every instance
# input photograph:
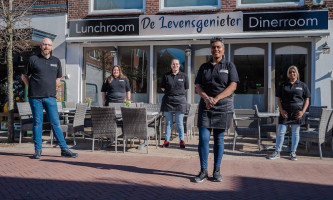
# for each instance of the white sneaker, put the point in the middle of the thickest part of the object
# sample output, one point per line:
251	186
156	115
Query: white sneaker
275	155
293	156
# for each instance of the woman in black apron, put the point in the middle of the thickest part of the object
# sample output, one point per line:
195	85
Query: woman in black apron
293	100
216	82
116	87
174	85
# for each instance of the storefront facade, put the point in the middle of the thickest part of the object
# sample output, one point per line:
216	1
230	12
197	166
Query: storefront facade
261	44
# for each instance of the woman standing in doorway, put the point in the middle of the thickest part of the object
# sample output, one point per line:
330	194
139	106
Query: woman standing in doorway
293	100
174	86
116	87
215	83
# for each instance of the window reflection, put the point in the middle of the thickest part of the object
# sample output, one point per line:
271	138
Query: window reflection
98	63
134	63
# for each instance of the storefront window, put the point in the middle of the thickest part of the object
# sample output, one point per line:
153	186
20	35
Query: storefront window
164	57
97	68
100	6
265	3
199	4
250	64
134	62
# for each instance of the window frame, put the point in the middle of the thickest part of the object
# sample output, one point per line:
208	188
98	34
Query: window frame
162	8
115	11
256	5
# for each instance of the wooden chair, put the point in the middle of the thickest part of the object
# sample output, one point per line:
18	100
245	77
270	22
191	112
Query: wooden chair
135	125
323	132
245	124
104	124
26	119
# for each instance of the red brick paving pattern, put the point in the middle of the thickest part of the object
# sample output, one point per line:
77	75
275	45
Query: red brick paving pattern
128	176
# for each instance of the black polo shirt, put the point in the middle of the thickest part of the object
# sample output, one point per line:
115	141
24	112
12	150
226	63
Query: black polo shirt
175	85
42	74
116	90
215	79
293	93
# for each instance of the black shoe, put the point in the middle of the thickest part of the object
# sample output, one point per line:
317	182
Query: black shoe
68	153
202	176
216	175
37	155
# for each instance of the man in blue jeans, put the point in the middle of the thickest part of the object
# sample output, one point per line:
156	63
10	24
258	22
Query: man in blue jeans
41	75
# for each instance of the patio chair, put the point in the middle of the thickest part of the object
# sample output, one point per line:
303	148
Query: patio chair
26	119
189	121
263	125
245	124
135	125
104	125
312	119
155	108
323	132
78	121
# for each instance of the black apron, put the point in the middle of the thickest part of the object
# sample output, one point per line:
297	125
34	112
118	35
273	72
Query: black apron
174	104
292	110
218	117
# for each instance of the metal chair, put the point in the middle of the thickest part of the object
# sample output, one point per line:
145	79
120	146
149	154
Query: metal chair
319	135
26	119
245	124
78	121
135	125
104	124
263	126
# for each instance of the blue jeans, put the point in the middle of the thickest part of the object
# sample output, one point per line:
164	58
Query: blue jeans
169	122
294	138
50	106
203	147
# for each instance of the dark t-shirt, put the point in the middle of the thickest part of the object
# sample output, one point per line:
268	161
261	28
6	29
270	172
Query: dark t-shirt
292	93
292	99
42	74
215	79
174	85
116	90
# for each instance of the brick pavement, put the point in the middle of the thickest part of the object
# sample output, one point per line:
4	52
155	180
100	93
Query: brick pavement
162	174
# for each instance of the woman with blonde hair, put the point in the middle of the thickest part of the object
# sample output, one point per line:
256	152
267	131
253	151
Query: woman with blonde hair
293	100
116	87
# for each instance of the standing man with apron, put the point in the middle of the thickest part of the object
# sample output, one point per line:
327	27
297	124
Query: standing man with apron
216	82
174	86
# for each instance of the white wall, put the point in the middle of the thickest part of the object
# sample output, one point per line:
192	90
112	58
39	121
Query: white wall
324	65
74	69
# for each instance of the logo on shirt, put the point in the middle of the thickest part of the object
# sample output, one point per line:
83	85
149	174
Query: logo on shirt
121	80
299	88
180	79
53	65
224	71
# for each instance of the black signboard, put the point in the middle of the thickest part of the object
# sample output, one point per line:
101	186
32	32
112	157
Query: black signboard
290	20
103	27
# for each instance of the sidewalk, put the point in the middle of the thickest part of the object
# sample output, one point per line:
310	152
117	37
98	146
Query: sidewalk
162	174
